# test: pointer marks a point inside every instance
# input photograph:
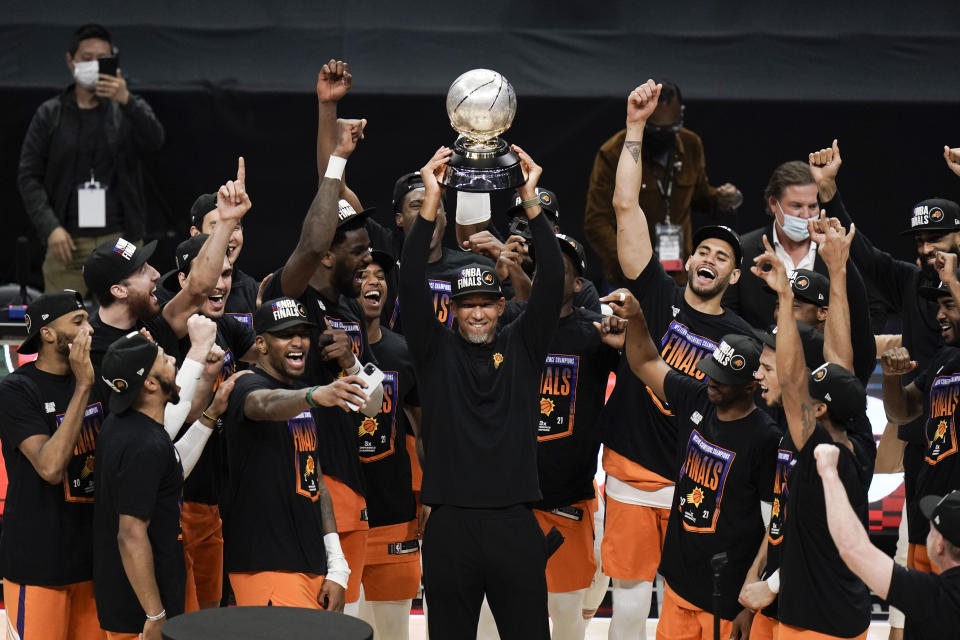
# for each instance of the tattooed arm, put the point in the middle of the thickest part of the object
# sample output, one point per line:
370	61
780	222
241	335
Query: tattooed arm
634	247
326	509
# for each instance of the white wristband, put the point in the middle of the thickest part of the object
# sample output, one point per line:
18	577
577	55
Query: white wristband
773	582
472	208
353	369
335	166
337	569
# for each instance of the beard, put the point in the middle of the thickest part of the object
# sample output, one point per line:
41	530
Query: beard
63	345
169	387
709	292
142	307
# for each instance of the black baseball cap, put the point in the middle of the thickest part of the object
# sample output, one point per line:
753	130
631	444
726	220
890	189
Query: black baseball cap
934	293
112	261
476	278
347	215
574	251
934	214
944	513
45	310
811	286
734	361
404	185
721	232
125	366
548	203
279	314
810	338
840	390
203	205
187	251
386	261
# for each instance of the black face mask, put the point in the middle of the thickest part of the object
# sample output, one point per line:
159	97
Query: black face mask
659	138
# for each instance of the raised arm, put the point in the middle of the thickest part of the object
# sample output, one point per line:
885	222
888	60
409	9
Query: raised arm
546	294
876	266
902	404
320	224
232	204
417	315
642	354
834	249
634	247
50	455
333	82
867	562
791	367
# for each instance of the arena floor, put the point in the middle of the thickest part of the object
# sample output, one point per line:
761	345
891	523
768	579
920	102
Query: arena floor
596	631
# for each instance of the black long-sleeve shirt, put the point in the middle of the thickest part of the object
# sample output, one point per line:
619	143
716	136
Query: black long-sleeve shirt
480	400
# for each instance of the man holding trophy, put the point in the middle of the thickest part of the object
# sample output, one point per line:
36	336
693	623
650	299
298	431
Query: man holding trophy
481	381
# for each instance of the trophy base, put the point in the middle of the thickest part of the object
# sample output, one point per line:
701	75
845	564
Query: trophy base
481	170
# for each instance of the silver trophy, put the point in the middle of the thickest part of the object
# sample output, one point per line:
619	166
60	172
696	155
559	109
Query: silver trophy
481	105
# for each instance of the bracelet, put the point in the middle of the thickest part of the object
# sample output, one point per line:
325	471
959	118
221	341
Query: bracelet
531	203
204	414
159	616
309	397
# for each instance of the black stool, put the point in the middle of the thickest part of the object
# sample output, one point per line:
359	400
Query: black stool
262	623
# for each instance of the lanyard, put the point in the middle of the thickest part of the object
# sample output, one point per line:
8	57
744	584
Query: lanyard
665	189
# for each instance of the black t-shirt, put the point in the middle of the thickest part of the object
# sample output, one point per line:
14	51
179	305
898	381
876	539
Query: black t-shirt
481	411
105	335
726	469
940	471
338	440
47	529
817	590
439	275
587	298
381	440
138	474
930	602
776	532
684	336
93	153
572	388
204	482
271	516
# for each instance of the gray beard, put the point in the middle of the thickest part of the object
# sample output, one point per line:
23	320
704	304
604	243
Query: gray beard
476	338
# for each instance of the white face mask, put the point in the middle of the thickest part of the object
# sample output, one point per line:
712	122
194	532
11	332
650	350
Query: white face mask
794	226
86	73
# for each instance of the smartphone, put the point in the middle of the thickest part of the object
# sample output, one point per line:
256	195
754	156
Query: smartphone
372	375
108	65
520	226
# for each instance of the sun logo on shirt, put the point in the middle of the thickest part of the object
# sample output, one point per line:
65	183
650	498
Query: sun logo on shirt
547	406
310	468
87	467
941	430
368	426
696	497
775	511
497	360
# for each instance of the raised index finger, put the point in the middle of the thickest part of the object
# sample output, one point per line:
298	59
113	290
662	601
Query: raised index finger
241	171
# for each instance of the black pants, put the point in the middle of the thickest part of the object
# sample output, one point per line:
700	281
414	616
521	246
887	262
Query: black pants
468	553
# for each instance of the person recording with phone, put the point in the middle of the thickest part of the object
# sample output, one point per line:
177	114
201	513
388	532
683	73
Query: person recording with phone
79	175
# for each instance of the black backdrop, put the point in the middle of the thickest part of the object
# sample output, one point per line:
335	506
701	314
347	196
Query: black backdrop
892	156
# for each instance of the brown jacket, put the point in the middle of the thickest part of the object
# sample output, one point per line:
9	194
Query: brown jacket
690	188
